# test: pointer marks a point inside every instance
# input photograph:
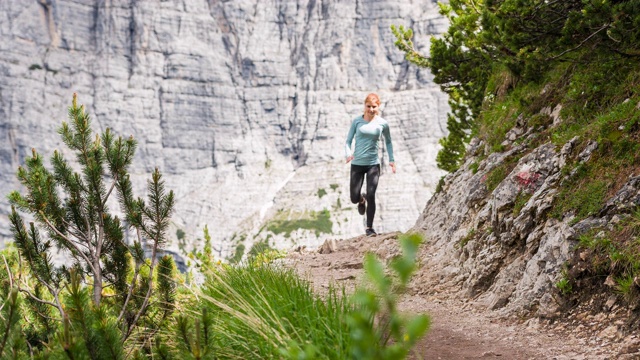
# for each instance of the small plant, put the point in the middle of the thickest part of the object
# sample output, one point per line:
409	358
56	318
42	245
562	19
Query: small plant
260	311
540	121
338	204
35	67
334	186
378	329
440	185
521	201
495	177
474	167
470	235
626	286
564	286
261	253
321	192
585	199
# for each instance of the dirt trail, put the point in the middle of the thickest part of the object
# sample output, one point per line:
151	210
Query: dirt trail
460	329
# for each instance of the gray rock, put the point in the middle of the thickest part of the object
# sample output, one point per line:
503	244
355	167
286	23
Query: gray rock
243	105
514	259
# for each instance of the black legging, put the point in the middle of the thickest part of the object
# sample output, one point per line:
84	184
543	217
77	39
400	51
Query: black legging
357	177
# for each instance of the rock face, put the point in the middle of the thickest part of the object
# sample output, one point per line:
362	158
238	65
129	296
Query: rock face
489	231
243	105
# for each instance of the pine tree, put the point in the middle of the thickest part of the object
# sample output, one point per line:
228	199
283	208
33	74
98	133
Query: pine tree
69	210
521	37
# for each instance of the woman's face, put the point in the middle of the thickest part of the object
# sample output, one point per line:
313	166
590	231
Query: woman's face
370	109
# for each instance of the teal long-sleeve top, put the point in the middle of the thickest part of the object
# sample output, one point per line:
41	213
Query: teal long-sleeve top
367	135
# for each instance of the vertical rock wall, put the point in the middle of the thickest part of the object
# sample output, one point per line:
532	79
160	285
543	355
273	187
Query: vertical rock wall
243	105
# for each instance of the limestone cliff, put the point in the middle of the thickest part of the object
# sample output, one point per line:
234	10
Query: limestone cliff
489	230
243	105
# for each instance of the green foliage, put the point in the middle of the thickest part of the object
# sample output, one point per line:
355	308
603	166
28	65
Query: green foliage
461	67
521	201
320	222
378	329
262	253
91	305
495	177
614	253
521	41
626	286
474	167
237	254
470	235
564	286
334	186
321	192
440	184
12	338
261	312
206	256
584	195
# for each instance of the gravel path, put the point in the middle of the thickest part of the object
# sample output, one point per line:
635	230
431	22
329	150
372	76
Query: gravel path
460	329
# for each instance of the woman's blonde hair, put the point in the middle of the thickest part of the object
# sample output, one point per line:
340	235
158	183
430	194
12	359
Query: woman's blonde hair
374	99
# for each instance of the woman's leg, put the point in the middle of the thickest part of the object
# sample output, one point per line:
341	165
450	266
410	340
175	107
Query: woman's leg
355	184
372	184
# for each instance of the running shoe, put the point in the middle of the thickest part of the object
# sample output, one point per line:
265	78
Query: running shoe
362	206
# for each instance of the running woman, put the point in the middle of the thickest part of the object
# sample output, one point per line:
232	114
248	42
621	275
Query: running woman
367	130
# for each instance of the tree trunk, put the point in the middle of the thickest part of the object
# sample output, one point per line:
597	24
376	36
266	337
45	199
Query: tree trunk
97	286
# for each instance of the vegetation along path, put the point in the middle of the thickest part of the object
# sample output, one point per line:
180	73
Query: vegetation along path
460	329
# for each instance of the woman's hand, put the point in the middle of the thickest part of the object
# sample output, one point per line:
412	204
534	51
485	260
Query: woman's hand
349	158
393	167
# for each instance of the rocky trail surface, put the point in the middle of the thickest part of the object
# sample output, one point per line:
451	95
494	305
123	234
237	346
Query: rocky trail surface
461	328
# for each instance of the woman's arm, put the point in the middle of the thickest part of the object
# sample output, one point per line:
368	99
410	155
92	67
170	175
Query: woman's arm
389	145
347	150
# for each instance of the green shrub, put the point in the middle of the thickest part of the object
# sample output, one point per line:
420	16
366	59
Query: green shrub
521	201
564	285
495	177
626	286
107	292
440	185
261	312
319	222
474	167
378	329
470	235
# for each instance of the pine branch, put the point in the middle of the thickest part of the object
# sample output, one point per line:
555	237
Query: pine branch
73	244
147	296
130	291
13	297
581	43
31	295
113	185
